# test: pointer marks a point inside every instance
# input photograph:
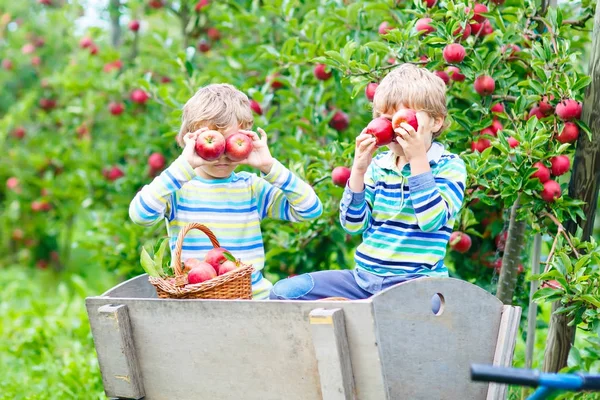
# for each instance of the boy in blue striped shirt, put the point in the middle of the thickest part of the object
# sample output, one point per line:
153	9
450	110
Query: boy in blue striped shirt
403	201
210	192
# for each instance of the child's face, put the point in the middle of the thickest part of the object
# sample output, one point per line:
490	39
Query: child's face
224	166
430	126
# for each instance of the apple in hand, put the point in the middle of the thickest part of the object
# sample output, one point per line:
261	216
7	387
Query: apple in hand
405	115
210	145
381	129
238	146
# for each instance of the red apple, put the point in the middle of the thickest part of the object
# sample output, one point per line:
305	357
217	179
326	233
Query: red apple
339	121
114	173
12	183
86	42
116	108
47	104
213	34
460	242
485	85
45	2
430	3
384	28
498	2
496	126
480	145
156	4
226	267
274	82
216	257
381	129
536	112
405	115
203	46
28	48
497	108
510	50
454	73
423	26
463	32
93	49
569	134
551	191
478	9
7	64
190	264
202	272
238	146
512	142
551	284
19	132
454	53
568	109
340	176
560	165
40	205
443	76
156	161
139	96
82	131
256	107
201	5
545	107
134	25
542	173
370	90
488	131
210	145
321	72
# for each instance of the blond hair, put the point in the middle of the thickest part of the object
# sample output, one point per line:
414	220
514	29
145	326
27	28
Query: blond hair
217	106
412	87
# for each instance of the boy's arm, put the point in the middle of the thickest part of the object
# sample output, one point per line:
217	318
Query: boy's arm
151	203
438	199
282	195
356	207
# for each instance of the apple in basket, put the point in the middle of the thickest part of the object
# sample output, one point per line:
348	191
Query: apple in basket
226	267
216	257
202	272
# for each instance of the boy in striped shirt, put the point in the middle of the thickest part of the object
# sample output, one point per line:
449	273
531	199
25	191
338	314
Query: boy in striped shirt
231	204
403	201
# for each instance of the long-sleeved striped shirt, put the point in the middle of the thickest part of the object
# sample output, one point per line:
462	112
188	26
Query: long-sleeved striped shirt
406	221
232	208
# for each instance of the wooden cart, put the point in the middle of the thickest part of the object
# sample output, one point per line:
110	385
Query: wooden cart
391	346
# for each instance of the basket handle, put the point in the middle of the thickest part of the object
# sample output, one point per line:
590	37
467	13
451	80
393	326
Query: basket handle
176	259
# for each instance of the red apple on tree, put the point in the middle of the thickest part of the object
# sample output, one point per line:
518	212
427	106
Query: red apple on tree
134	25
478	9
512	142
454	53
370	90
568	109
551	191
542	173
454	74
7	64
238	146
569	133
384	28
485	85
210	145
405	115
321	72
340	176
201	5
560	165
156	161
213	34
443	76
139	96
430	3
203	46
381	129
116	108
86	42
460	241
339	121
256	107
113	173
480	145
545	107
12	183
19	132
497	108
423	26
536	112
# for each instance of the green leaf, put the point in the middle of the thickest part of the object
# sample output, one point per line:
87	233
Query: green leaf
591	299
148	264
229	256
581	83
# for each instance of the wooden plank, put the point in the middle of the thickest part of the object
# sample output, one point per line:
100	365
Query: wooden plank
427	356
138	287
113	338
330	342
505	347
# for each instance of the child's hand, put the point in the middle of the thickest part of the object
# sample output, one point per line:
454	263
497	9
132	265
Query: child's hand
415	143
363	154
260	157
189	151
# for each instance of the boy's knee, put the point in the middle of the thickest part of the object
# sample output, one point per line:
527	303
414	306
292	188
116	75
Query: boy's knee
292	288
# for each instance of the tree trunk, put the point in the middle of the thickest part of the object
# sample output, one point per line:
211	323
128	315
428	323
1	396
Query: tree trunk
512	256
115	24
584	185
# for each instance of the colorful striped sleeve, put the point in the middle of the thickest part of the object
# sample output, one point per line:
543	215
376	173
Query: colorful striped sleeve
155	201
437	199
356	207
282	195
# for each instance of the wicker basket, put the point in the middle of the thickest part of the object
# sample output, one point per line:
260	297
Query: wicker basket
236	284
